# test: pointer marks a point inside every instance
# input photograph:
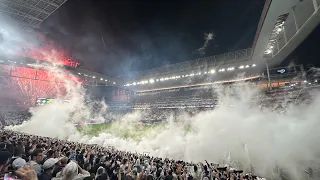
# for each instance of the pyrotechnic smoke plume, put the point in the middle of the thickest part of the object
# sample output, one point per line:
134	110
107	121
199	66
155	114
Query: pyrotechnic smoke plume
207	37
237	131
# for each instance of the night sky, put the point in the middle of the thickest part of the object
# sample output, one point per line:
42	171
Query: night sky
307	53
120	36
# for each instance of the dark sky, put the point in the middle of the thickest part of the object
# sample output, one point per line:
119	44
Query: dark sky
307	53
119	36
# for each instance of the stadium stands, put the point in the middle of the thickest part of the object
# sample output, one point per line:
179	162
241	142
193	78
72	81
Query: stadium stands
56	159
13	117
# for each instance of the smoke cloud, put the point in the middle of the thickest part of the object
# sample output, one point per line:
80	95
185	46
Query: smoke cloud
207	37
237	132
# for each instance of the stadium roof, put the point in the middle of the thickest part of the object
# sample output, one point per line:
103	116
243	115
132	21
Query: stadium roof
29	13
215	61
284	24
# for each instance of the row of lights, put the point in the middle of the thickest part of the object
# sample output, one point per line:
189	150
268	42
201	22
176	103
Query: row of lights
151	81
272	42
94	77
14	62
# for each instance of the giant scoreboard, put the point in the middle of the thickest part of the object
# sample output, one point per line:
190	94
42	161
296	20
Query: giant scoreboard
43	101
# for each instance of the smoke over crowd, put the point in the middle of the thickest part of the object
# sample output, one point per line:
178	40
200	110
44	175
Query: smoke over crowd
243	134
237	132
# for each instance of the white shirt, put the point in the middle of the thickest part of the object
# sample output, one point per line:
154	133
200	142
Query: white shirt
37	167
78	177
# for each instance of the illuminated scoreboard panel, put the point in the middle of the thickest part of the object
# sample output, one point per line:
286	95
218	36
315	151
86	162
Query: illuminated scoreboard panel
43	101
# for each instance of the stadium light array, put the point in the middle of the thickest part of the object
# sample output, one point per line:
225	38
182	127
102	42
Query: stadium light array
268	51
230	69
161	79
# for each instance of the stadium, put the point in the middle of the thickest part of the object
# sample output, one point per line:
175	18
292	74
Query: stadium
245	106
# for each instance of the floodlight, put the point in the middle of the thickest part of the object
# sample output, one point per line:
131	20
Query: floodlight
268	51
279	30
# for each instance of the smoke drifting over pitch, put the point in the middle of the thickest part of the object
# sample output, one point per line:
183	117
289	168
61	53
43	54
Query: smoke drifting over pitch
243	134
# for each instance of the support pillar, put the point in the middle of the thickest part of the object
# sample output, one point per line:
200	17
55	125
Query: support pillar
268	73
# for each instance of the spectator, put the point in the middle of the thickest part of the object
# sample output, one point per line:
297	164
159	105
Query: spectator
17	161
36	159
26	173
73	172
102	163
4	158
48	167
60	167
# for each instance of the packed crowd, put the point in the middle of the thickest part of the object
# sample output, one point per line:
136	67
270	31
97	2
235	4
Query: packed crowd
8	118
31	157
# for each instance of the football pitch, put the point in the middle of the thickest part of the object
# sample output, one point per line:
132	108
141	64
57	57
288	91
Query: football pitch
127	131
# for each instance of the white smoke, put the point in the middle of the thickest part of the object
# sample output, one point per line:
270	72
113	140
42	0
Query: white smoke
257	137
207	37
12	39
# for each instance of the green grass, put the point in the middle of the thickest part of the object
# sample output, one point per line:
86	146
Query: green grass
128	130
